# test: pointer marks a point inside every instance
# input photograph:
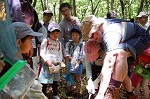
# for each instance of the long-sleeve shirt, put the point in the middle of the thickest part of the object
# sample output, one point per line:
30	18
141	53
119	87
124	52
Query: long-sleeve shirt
76	51
51	50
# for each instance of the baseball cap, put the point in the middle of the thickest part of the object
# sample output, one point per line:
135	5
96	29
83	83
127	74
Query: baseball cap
23	29
53	26
77	28
91	50
96	22
48	12
143	13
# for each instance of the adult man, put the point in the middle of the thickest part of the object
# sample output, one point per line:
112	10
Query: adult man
67	23
143	20
47	16
121	40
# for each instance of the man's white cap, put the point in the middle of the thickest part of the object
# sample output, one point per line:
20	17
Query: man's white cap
96	22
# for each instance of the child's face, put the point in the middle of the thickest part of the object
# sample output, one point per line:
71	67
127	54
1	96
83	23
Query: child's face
26	45
75	37
54	35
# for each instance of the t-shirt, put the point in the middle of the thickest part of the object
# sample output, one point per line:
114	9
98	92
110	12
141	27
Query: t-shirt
51	50
66	27
116	33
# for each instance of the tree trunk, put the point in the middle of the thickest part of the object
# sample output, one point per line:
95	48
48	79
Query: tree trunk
112	5
122	6
34	3
107	5
92	7
141	6
60	15
147	5
74	7
42	5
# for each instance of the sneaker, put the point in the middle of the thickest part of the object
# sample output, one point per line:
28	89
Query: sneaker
56	97
112	93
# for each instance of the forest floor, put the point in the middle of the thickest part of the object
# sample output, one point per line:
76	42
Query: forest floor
84	94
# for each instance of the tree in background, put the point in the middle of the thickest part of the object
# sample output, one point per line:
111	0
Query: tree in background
125	9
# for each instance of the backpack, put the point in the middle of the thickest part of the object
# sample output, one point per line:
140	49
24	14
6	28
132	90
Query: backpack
72	44
116	20
148	29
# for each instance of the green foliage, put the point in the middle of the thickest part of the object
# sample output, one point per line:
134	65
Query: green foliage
84	8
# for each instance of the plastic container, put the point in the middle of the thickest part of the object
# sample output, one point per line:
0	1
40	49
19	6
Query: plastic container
17	80
142	72
69	79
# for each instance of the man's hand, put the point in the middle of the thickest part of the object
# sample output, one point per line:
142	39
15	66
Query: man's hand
73	19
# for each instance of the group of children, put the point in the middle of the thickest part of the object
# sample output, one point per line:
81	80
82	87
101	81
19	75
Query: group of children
52	56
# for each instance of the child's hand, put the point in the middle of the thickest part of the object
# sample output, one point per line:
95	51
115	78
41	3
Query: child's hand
51	69
76	67
96	82
69	58
2	64
49	63
90	86
73	62
56	69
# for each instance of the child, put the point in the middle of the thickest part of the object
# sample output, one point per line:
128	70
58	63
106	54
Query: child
51	53
74	54
143	60
94	61
23	39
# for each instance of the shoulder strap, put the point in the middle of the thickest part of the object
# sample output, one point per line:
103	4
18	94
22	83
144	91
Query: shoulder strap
116	20
80	46
148	28
58	46
70	43
47	43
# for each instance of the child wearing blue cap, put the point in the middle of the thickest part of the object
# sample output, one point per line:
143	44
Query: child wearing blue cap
51	54
75	55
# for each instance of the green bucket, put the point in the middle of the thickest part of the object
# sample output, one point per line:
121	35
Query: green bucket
142	72
15	68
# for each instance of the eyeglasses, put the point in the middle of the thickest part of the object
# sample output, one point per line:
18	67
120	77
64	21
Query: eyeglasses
65	11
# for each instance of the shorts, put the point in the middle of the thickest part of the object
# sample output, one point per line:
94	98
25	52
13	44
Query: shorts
135	45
